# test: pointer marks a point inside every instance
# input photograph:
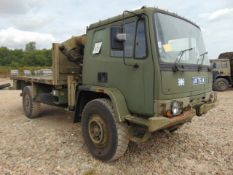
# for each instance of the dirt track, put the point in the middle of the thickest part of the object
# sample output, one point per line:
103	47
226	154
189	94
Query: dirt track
52	144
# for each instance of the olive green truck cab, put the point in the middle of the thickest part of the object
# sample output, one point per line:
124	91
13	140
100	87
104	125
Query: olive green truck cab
127	77
223	71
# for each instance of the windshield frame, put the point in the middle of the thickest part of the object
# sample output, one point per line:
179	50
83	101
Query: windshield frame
164	64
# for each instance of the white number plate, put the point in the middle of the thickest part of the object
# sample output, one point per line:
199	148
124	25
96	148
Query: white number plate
199	80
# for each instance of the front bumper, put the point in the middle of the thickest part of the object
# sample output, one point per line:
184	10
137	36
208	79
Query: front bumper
157	123
160	122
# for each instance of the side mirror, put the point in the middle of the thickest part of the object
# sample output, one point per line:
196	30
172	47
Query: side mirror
214	65
121	37
117	38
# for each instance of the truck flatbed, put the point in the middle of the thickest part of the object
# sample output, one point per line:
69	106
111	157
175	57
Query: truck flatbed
48	79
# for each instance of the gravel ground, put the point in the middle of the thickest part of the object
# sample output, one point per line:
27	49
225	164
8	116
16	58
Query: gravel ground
53	145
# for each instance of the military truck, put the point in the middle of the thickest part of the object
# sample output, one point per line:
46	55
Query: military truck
223	71
127	77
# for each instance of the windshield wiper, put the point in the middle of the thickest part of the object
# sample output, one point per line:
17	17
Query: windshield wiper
202	60
177	61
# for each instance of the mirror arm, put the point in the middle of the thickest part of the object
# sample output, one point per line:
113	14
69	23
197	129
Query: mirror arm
135	36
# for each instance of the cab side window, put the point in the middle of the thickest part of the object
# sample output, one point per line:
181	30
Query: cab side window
117	47
224	64
129	43
98	43
218	65
134	38
141	45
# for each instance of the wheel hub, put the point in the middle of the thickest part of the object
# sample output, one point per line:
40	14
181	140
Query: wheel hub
222	85
96	129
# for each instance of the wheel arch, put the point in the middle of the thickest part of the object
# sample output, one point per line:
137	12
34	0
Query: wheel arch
88	93
225	77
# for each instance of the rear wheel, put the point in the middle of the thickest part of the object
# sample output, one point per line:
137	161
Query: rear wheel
31	108
105	138
221	84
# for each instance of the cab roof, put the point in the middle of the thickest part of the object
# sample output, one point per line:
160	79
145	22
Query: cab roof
143	10
218	60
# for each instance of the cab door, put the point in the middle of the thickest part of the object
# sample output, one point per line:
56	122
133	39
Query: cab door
126	66
130	66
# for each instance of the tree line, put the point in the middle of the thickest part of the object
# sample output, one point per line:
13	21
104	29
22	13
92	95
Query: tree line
30	56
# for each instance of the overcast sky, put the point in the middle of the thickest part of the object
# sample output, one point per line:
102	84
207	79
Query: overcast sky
46	21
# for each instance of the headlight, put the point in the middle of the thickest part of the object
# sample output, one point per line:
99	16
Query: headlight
176	108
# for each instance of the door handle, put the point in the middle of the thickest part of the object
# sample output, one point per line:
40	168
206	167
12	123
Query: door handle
136	66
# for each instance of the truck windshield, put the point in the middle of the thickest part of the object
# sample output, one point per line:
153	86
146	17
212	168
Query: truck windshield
175	35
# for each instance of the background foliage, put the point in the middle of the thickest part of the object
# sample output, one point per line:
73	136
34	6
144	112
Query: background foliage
28	57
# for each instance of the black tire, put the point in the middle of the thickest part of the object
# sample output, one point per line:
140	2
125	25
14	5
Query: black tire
221	84
111	140
30	107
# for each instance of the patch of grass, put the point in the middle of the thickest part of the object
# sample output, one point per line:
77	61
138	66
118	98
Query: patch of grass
4	70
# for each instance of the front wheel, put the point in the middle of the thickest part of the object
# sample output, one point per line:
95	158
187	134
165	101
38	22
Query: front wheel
105	138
